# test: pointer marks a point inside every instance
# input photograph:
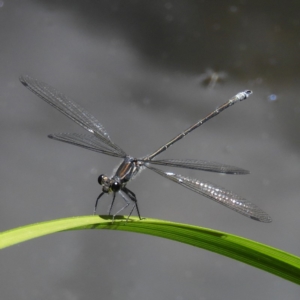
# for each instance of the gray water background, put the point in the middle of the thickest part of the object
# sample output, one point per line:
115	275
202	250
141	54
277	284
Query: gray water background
139	67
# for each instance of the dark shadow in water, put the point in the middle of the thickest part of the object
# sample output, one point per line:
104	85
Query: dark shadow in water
247	39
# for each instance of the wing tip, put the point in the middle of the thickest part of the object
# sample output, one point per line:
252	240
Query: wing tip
265	218
23	79
240	172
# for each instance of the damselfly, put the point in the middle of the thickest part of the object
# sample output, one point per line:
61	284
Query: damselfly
98	140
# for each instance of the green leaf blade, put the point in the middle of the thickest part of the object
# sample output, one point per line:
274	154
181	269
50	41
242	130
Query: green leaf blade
267	258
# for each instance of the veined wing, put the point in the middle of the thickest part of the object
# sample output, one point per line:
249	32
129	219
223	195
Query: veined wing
70	109
199	165
217	194
87	141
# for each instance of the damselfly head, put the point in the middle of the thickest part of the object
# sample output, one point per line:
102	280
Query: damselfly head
109	185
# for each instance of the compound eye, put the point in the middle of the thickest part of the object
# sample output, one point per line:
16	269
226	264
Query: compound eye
115	187
101	179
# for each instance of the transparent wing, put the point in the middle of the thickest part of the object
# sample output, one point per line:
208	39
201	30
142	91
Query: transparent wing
199	165
217	194
70	109
87	141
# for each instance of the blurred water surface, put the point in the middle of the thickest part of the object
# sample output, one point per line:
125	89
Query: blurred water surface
147	70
